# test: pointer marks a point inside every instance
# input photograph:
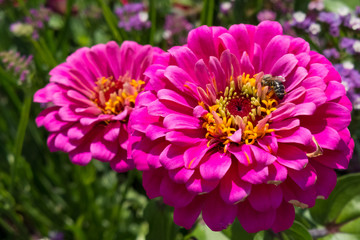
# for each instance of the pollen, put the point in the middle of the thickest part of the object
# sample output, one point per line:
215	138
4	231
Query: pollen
242	106
112	96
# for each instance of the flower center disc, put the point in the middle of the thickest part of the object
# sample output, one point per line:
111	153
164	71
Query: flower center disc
112	96
242	106
239	107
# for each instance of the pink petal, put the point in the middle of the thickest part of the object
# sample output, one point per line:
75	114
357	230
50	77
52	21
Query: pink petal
253	221
193	155
269	143
265	197
276	48
181	175
328	138
232	188
215	165
299	135
154	153
81	155
277	173
152	180
187	215
112	131
285	125
258	58
184	58
180	100
304	178
103	150
242	153
155	131
219	74
291	157
197	184
241	36
285	216
254	175
261	157
120	163
180	121
172	157
174	194
326	180
246	65
295	195
185	137
216	213
334	90
265	31
284	66
200	41
178	77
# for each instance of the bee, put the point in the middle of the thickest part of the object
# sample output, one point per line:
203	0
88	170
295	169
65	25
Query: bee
276	82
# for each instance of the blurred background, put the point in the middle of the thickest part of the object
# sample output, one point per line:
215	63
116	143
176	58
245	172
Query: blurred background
44	196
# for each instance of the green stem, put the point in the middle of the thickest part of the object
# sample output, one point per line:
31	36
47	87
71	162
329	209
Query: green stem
110	20
129	182
65	30
6	81
20	135
44	52
153	20
204	12
210	13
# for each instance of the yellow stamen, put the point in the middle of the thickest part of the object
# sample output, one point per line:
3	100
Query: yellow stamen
220	124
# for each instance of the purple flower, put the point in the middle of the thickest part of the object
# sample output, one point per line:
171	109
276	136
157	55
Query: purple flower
316	5
351	81
331	53
225	7
301	21
176	29
133	16
266	15
352	46
329	18
17	64
31	24
357	10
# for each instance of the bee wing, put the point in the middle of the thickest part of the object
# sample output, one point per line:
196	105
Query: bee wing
280	78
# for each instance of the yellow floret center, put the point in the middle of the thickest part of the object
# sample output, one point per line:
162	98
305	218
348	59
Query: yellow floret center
111	96
242	106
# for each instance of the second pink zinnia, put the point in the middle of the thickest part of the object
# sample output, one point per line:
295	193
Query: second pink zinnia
89	100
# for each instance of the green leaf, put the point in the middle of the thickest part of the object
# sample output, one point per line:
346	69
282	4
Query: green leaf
341	236
238	232
296	232
351	227
327	211
335	5
263	235
350	211
202	232
161	224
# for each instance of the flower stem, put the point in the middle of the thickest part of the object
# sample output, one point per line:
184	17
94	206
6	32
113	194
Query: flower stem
44	51
129	182
152	10
20	135
110	20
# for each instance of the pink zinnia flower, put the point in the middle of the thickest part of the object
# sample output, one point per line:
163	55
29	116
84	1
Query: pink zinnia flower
214	135
89	99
